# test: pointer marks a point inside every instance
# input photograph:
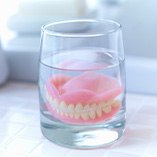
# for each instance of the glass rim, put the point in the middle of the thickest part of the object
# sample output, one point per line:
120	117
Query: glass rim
44	28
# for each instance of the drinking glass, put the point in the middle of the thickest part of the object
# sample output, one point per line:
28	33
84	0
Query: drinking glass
82	83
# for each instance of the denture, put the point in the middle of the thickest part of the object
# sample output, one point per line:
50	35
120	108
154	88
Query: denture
87	98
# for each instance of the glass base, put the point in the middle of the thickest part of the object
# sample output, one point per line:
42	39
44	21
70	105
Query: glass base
83	137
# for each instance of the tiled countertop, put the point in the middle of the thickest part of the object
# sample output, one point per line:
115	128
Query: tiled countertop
20	134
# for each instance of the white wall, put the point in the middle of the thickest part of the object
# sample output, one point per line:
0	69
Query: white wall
139	21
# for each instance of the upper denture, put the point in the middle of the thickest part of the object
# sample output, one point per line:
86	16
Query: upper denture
85	88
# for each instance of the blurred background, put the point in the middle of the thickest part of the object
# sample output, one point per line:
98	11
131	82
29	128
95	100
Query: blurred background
21	21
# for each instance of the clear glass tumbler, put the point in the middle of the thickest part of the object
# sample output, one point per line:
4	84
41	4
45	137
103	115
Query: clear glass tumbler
82	83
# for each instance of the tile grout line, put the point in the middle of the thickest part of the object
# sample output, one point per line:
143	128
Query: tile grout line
33	149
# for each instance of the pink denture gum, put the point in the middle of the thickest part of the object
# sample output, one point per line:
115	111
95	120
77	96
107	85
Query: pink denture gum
87	98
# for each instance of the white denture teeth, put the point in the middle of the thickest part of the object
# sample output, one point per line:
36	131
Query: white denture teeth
79	110
92	114
63	107
70	110
106	107
77	115
110	101
86	108
99	110
116	103
84	116
94	107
